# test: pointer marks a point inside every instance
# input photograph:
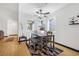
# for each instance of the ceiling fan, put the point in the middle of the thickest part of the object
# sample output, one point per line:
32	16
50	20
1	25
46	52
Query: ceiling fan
40	12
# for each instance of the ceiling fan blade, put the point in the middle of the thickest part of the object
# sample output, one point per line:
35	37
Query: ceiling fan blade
45	16
37	12
47	13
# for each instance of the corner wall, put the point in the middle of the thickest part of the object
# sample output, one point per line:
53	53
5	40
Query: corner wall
67	34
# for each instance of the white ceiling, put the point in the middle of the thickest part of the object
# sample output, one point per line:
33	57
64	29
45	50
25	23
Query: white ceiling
9	11
9	6
31	8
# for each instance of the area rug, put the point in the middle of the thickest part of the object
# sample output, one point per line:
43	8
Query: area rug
51	52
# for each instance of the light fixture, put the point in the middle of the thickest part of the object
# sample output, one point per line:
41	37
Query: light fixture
42	14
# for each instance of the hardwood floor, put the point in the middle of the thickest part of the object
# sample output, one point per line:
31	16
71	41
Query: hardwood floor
10	47
66	51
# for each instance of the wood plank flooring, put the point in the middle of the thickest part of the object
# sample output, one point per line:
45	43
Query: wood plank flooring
66	51
10	47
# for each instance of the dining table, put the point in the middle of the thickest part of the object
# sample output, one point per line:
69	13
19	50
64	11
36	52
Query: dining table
35	38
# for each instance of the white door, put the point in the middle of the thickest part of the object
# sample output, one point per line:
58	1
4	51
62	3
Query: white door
11	27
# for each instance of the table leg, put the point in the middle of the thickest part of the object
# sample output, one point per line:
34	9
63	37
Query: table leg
53	42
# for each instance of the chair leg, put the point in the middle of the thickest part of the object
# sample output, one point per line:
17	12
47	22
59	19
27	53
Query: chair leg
19	42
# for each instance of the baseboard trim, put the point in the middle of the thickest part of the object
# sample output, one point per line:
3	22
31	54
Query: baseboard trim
67	47
13	35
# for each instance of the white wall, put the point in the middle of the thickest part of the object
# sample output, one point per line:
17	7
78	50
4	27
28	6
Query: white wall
23	18
8	12
67	34
11	27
